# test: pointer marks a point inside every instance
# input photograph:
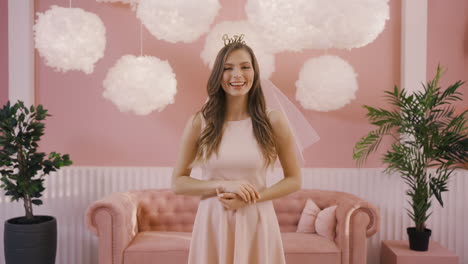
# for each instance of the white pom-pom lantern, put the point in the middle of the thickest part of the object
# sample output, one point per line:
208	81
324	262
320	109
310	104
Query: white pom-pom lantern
70	38
285	24
326	83
132	3
177	20
357	23
214	42
140	84
312	24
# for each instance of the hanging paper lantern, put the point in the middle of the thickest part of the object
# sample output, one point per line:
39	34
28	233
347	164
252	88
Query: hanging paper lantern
285	24
312	24
326	83
70	38
140	84
214	42
357	23
177	20
132	3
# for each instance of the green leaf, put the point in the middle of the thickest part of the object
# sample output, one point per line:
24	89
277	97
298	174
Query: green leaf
36	201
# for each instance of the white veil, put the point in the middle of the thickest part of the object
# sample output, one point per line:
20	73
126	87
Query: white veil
304	134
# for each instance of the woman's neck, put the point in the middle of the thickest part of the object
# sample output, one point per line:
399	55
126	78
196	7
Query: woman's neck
236	108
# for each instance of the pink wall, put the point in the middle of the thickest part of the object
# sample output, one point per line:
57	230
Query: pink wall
95	133
3	52
448	43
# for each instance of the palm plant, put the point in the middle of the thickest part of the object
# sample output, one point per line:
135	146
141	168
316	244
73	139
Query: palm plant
428	134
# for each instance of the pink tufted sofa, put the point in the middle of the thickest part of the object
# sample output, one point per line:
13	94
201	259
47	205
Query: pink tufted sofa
154	226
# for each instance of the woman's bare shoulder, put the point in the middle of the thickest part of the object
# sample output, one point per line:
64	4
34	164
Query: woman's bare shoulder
275	116
196	121
278	121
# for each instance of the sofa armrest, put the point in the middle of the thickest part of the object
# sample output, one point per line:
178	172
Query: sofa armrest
114	220
357	220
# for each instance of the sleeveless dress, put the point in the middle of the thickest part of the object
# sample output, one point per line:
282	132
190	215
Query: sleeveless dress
249	235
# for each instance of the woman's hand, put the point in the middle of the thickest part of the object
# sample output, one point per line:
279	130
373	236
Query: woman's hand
230	201
245	190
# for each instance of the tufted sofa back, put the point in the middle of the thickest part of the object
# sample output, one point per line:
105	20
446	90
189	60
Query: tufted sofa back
162	210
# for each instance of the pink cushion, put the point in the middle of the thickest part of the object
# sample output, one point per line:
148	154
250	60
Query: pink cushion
309	248
158	247
325	224
294	242
308	216
314	220
173	247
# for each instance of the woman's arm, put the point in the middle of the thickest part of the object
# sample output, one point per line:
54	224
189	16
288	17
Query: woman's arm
182	183
286	148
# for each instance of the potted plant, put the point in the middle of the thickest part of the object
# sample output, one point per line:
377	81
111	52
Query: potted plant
432	137
28	239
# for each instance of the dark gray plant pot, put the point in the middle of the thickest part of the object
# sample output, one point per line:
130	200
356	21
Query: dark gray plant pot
30	243
419	241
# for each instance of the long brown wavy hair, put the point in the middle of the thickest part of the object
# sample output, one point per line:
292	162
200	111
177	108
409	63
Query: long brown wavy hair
214	111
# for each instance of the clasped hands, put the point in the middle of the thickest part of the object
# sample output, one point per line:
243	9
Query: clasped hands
237	194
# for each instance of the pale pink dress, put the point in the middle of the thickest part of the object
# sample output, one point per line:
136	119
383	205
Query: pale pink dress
250	234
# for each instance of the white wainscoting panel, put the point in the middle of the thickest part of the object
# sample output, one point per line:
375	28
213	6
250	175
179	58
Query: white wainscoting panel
71	190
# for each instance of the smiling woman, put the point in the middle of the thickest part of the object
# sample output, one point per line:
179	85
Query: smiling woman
235	139
238	74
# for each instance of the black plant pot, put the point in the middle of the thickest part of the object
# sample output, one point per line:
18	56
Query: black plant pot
30	243
419	241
